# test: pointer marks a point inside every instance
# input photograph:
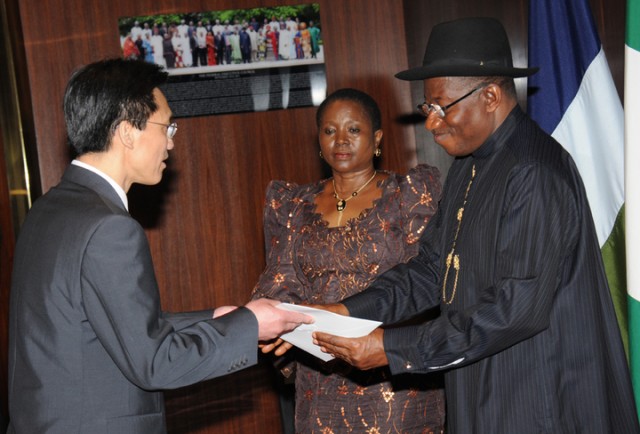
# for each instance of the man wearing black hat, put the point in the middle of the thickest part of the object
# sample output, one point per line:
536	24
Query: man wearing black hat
527	333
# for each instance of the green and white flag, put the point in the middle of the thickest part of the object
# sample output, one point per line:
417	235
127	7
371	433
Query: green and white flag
578	104
632	185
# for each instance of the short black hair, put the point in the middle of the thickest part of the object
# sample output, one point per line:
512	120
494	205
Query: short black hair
100	95
369	105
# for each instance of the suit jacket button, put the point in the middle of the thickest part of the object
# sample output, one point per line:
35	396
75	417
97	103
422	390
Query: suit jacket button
408	365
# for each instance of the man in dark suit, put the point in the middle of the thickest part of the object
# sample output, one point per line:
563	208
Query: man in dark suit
90	347
527	334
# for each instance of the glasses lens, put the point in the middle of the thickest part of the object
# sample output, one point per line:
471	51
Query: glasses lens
426	109
172	129
437	109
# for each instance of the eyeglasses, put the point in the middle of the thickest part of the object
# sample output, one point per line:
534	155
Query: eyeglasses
426	109
172	128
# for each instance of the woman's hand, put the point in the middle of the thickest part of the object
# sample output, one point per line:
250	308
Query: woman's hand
280	346
338	308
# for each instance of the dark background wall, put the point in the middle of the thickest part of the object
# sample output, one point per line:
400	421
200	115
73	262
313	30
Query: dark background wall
204	221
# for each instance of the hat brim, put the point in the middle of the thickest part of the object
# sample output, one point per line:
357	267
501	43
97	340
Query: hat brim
424	72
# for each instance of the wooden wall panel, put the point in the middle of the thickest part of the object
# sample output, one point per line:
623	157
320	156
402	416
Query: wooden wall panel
204	221
610	20
11	207
7	242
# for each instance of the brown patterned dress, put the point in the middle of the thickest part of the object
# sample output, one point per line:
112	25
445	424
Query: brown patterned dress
310	262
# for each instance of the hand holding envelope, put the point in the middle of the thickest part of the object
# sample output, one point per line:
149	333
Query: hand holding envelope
336	334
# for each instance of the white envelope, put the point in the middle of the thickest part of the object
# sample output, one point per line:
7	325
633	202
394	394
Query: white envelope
327	322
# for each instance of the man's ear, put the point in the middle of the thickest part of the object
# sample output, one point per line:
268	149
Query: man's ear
126	133
493	95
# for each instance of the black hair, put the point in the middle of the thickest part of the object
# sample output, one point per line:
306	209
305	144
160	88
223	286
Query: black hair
365	101
102	94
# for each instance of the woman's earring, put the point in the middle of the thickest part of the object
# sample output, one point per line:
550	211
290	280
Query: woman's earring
378	152
321	156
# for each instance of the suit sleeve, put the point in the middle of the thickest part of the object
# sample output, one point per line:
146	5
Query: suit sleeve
531	249
180	320
122	305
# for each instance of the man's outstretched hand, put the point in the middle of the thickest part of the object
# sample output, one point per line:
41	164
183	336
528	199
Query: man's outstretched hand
279	346
366	352
272	322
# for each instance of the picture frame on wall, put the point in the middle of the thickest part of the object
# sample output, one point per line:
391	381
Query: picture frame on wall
233	61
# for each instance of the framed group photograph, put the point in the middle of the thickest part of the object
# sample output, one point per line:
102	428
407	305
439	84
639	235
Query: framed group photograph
231	61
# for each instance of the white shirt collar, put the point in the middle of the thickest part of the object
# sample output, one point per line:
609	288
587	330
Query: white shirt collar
119	190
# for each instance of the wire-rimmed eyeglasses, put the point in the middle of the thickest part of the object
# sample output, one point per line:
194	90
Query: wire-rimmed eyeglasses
426	109
172	128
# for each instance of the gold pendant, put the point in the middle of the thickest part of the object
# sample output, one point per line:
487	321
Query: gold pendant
341	205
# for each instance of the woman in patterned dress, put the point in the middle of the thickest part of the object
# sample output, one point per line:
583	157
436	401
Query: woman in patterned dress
328	240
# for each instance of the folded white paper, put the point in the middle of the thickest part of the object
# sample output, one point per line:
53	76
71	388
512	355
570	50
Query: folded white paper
327	322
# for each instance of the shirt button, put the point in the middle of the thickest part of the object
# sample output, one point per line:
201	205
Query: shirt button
408	365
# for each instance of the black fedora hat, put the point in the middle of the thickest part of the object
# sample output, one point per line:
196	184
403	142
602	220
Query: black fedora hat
473	47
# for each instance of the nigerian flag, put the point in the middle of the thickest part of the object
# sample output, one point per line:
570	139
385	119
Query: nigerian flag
577	103
632	184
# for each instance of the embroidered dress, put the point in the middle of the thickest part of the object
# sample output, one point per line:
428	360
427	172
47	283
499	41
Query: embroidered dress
310	262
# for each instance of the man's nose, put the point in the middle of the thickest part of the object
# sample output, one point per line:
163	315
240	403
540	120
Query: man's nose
432	121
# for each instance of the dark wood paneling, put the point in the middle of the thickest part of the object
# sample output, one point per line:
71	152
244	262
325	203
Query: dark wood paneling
6	259
204	221
610	20
9	141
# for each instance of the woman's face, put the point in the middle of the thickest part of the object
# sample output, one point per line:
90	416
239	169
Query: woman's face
346	137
